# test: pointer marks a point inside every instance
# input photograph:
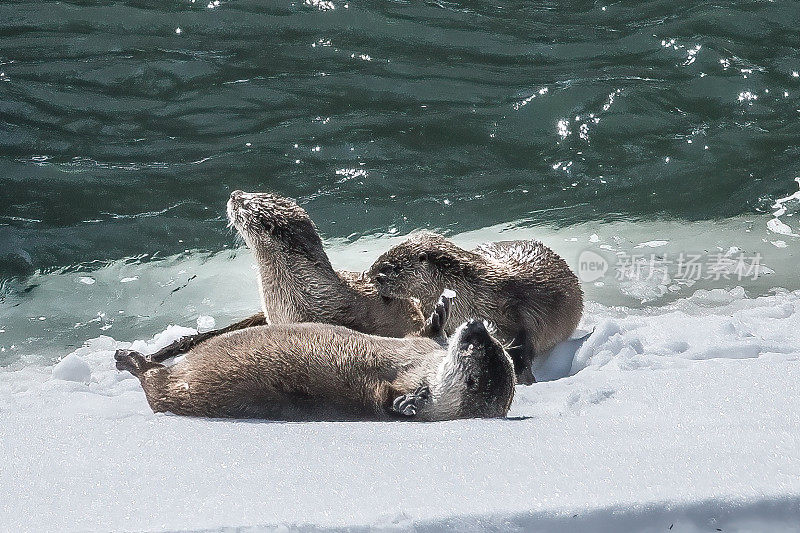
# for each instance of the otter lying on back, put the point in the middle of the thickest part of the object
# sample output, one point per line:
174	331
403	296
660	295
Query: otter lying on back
324	372
523	287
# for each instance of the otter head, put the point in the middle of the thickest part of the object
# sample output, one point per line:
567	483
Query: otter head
421	267
273	224
476	377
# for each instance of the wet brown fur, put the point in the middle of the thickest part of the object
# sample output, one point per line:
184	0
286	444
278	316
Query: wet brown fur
525	289
297	282
322	372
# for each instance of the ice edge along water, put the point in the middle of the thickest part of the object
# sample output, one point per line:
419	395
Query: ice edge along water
36	326
683	415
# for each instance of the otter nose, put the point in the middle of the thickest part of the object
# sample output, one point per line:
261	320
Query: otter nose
475	326
383	272
237	200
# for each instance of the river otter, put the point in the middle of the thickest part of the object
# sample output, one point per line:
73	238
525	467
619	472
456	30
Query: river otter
325	372
523	287
297	282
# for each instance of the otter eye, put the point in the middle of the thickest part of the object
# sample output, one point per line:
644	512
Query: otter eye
471	383
423	257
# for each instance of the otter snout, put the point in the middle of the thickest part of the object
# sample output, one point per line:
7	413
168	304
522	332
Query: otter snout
237	199
240	205
235	203
482	368
384	272
475	327
473	332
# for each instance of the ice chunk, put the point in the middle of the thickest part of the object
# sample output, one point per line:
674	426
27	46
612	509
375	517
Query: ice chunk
652	244
205	323
162	339
776	225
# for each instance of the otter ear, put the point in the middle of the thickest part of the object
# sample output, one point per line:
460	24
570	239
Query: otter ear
422	257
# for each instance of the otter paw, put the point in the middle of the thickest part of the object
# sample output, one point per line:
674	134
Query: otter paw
411	404
133	362
122	355
526	377
128	360
438	319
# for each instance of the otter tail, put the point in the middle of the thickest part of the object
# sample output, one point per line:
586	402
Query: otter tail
133	362
184	344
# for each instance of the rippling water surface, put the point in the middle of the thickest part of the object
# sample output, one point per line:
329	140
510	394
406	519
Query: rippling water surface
125	125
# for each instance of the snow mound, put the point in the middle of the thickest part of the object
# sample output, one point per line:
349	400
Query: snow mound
72	368
682	417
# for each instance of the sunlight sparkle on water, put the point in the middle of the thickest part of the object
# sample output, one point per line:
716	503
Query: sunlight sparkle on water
747	96
563	128
322	5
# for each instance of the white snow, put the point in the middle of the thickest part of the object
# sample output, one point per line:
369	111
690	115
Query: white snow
72	368
684	416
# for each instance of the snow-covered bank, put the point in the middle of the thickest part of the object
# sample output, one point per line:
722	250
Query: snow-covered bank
685	415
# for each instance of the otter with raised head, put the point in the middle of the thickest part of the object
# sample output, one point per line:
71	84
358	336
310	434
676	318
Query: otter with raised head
297	282
523	287
324	372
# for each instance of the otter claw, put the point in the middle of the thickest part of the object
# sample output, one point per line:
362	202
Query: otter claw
133	362
128	360
404	406
423	392
410	404
438	319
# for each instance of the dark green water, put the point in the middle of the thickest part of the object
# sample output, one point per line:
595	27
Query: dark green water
119	136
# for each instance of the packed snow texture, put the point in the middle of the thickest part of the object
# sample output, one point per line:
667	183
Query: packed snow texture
685	416
73	368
